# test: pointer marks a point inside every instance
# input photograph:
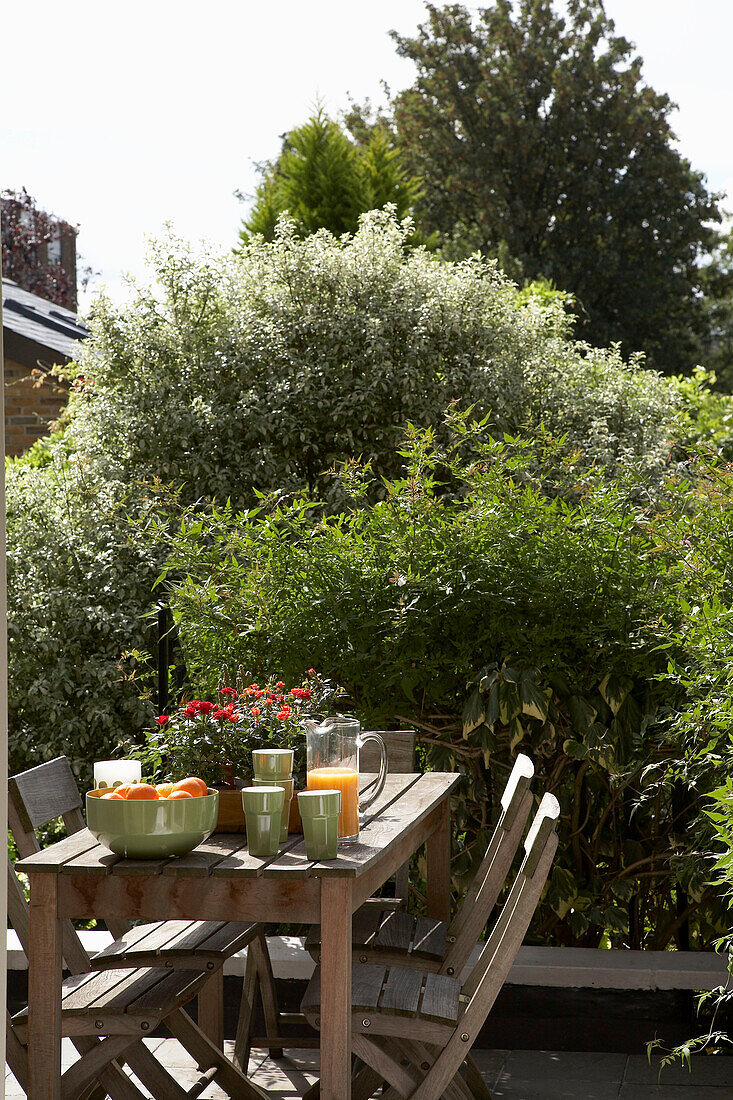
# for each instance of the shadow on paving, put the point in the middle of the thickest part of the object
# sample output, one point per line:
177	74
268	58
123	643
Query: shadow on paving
511	1075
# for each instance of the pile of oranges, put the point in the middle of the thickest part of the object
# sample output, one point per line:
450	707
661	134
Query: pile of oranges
190	787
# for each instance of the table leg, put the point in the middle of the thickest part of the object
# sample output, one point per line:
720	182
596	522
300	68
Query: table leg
437	850
336	910
44	990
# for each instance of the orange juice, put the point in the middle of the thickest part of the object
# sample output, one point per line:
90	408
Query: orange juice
345	780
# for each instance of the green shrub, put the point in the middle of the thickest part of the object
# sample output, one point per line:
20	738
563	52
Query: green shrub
552	592
78	582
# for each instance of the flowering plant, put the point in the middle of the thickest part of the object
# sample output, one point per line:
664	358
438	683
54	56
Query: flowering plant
214	739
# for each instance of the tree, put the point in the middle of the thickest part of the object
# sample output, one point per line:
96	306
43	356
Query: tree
716	345
324	180
537	135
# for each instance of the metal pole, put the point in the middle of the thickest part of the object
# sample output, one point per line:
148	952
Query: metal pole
3	690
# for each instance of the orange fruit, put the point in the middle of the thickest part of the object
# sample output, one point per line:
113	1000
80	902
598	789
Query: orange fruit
164	790
122	789
180	794
113	794
195	786
141	791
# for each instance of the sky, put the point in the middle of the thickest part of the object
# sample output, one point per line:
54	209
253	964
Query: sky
122	117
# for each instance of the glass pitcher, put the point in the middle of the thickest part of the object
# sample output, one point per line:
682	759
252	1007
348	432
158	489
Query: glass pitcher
333	764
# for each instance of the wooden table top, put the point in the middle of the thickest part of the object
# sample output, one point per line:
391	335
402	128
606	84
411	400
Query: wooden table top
405	801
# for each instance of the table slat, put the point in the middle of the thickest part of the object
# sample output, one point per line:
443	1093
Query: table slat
51	858
295	863
378	835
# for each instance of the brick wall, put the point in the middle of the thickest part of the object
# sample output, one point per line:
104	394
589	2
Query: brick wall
32	403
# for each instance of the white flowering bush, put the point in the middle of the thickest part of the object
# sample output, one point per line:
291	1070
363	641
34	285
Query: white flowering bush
263	370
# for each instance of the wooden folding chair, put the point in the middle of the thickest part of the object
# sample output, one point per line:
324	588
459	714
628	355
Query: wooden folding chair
415	1030
393	938
191	953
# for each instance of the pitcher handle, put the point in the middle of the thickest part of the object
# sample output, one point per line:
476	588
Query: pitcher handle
364	803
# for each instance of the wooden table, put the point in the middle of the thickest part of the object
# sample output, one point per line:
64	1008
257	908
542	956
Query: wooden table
220	881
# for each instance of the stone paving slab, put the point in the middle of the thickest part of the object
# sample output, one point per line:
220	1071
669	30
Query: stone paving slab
511	1075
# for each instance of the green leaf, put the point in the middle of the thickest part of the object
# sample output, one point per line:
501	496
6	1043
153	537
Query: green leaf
473	713
614	690
535	700
582	714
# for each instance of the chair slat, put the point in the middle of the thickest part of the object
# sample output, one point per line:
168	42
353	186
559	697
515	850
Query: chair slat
400	745
441	999
231	937
396	931
144	937
401	993
429	940
365	925
366	985
110	989
44	793
174	988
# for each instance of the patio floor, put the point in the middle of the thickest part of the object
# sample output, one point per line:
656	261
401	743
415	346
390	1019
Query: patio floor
511	1075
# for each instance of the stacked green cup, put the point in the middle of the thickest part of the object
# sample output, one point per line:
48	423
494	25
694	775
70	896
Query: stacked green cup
263	807
320	813
274	767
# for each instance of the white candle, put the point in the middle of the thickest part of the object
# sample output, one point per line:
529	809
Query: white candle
113	773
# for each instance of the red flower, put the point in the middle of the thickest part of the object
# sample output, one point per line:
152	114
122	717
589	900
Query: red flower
162	719
255	712
301	693
280	684
311	672
219	714
228	691
284	713
233	717
191	710
205	707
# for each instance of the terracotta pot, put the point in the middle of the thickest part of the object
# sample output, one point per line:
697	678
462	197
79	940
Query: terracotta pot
231	814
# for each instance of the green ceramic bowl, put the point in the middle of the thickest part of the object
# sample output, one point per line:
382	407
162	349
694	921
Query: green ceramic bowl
151	830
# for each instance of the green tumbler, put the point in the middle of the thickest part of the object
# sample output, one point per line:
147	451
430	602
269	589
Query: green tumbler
263	807
287	786
273	764
319	811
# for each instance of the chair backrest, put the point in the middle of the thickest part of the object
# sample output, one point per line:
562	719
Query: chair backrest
41	795
497	956
481	896
400	746
495	961
35	798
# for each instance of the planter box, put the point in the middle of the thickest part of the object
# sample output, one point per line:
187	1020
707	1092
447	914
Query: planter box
231	814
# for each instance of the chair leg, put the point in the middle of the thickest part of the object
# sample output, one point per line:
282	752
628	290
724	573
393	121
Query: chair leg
266	980
229	1077
475	1081
403	1078
243	1040
154	1076
211	1008
79	1076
